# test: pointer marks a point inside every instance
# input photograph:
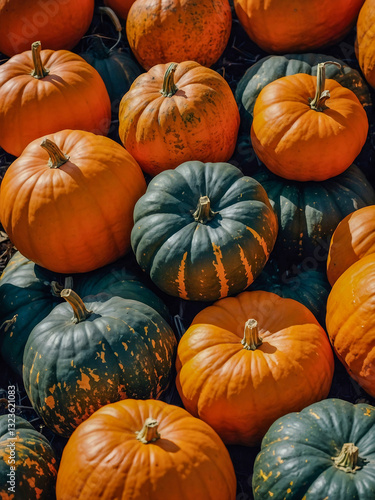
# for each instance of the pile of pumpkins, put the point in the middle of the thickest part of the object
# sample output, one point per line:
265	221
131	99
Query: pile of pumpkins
140	180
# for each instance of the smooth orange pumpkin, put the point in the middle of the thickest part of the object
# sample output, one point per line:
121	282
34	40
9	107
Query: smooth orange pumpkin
280	26
178	30
350	321
247	360
145	450
307	128
353	238
67	202
58	24
176	113
365	41
44	91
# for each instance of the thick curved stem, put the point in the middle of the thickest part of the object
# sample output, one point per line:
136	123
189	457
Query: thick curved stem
251	340
149	432
203	213
56	156
321	95
39	70
169	87
79	308
347	459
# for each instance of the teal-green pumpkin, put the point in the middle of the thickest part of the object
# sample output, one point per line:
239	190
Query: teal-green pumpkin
28	296
326	451
33	459
308	212
110	349
203	230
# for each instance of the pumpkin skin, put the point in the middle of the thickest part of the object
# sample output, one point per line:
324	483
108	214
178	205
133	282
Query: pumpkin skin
178	31
365	41
240	389
298	454
289	26
113	349
350	321
302	143
27	291
89	200
209	257
353	238
31	107
58	25
145	471
33	459
163	131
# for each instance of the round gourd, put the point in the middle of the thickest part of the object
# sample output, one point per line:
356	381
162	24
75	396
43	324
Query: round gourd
45	91
325	451
203	231
365	41
167	114
156	451
111	349
67	202
247	360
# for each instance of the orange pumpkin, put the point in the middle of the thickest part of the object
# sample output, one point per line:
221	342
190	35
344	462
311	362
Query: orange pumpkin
145	450
353	238
307	128
176	113
350	321
58	24
247	360
281	26
44	91
178	30
68	205
365	41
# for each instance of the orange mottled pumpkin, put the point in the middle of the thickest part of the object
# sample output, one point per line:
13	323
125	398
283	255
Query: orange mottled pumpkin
365	41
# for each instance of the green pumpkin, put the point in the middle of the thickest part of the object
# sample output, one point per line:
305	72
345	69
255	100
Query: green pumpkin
28	294
203	230
326	451
33	459
109	349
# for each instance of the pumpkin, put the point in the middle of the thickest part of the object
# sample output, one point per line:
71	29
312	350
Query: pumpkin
156	451
350	321
121	7
247	360
28	293
365	41
203	230
112	349
28	466
178	112
309	212
325	451
41	92
353	238
58	24
299	136
67	202
291	26
175	30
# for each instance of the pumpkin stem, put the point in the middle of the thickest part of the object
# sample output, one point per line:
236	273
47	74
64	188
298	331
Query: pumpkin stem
169	87
203	213
321	95
149	432
251	340
8	323
79	308
347	458
56	156
116	23
56	288
39	70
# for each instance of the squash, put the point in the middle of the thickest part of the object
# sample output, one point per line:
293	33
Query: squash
174	30
156	451
75	186
111	349
176	113
203	230
41	92
28	465
247	360
365	41
58	24
325	451
300	137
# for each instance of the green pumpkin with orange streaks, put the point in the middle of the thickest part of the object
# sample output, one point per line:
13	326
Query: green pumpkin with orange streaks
203	230
110	349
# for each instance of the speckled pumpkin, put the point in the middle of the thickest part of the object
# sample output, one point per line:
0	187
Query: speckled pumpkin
365	41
